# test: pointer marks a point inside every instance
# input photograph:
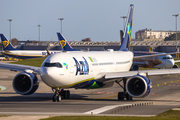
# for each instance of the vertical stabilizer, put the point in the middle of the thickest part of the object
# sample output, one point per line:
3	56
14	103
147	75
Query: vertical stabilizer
64	44
6	44
125	45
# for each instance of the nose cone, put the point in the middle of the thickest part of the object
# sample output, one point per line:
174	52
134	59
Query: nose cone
169	63
49	76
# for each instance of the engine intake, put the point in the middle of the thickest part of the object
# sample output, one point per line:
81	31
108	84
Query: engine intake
134	67
25	83
138	86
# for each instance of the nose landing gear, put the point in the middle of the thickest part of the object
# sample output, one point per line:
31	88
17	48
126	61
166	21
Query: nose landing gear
56	96
58	93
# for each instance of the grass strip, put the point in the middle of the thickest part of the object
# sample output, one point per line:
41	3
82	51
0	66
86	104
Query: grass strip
168	115
31	62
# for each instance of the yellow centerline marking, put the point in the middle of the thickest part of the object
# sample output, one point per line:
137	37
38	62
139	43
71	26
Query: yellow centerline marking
166	83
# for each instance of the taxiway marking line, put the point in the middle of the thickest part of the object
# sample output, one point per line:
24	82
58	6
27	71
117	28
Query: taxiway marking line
105	108
165	83
39	113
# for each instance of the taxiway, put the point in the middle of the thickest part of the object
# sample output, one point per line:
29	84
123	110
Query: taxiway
165	95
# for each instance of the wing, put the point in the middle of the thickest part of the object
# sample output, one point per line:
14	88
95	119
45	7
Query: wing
176	61
16	67
160	54
114	75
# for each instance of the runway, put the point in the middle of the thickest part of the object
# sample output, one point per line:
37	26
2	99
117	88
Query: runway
165	95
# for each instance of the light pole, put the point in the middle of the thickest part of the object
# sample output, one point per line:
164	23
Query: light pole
39	32
176	15
124	17
10	26
61	23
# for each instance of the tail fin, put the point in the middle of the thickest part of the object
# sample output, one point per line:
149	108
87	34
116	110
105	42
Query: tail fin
125	46
64	44
6	44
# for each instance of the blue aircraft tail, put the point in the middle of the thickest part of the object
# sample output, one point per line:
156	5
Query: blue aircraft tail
6	44
125	44
64	44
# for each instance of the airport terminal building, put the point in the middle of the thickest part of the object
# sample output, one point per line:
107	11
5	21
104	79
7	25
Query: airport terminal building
158	46
145	38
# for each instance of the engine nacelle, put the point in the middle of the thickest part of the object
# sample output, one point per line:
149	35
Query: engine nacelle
138	86
25	83
134	67
175	66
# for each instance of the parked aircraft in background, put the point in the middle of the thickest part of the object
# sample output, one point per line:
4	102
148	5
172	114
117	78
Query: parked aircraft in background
10	51
165	60
88	70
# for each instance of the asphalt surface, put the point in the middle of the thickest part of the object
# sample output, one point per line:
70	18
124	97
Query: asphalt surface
165	95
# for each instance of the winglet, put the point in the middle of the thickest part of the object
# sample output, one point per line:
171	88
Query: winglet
6	44
125	46
64	44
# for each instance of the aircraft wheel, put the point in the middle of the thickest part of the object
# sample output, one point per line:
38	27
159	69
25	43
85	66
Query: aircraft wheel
68	94
64	94
120	96
128	97
54	98
58	98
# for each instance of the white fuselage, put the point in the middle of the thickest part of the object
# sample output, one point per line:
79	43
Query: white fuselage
167	61
163	61
27	53
79	67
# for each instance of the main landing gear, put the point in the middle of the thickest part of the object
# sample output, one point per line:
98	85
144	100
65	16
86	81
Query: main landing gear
122	95
59	93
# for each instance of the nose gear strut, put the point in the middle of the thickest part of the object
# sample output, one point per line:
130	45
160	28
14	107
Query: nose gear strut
58	93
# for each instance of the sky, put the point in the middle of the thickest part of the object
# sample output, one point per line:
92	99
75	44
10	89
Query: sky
98	20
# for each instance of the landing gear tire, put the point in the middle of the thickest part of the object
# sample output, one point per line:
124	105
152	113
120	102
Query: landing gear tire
124	94
54	98
66	94
120	96
58	98
128	97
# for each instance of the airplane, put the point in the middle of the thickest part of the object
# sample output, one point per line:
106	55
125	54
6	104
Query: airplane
10	51
160	62
88	70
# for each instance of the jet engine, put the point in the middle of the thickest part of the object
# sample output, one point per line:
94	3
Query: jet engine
175	66
25	83
134	67
138	86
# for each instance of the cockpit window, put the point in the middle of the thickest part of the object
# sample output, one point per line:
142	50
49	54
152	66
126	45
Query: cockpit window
52	65
167	58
